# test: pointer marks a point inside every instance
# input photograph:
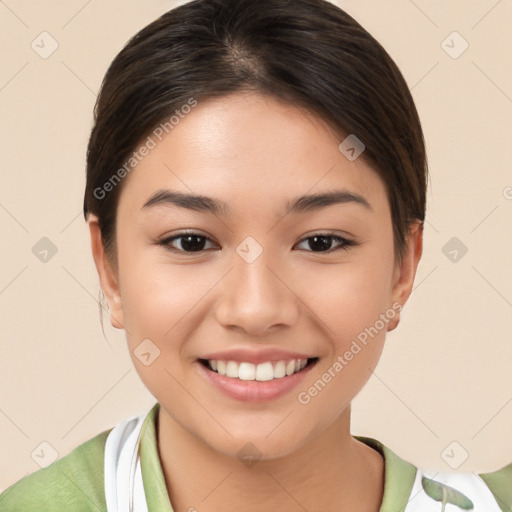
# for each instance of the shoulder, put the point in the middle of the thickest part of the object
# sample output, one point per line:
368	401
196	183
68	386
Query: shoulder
491	492
74	482
500	484
413	489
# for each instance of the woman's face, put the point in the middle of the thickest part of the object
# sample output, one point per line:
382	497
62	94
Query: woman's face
253	287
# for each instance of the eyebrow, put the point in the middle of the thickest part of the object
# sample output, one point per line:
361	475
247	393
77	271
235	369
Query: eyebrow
300	204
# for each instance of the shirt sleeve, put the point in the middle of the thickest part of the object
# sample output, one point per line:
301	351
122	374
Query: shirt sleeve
74	483
500	484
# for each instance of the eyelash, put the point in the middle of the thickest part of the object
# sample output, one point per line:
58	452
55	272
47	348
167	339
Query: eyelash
346	243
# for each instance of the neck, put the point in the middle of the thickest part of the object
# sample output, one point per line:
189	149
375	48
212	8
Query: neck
333	472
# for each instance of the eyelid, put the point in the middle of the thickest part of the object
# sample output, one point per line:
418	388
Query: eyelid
347	242
166	241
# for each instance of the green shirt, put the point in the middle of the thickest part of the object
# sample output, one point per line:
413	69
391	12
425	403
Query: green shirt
75	482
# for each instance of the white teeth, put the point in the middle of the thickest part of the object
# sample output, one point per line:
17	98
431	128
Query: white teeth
246	371
264	371
221	367
290	367
260	372
280	369
231	369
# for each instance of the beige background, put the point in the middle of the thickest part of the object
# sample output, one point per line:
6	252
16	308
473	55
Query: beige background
445	372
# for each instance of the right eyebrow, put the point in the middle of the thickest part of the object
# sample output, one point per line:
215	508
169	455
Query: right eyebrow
190	201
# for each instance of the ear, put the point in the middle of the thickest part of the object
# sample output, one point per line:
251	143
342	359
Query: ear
404	274
106	273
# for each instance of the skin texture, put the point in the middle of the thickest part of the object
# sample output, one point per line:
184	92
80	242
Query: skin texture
255	153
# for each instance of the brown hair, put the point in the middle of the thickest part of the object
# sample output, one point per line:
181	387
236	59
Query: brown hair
307	52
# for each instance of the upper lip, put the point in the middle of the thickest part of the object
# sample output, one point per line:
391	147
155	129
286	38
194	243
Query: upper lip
255	356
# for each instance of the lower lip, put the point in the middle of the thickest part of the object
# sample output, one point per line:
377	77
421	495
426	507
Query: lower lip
253	390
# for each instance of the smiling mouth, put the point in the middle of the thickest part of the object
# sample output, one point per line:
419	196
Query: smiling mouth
266	371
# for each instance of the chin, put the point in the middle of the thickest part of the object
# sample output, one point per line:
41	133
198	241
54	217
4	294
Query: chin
253	444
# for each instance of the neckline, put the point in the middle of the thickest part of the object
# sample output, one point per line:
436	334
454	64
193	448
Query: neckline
399	474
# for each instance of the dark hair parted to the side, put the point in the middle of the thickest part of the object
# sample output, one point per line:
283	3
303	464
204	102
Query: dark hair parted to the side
307	52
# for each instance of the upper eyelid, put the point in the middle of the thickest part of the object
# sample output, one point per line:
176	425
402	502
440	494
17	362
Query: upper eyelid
193	233
347	240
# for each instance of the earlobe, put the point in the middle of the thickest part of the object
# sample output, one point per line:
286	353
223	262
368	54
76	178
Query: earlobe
405	273
106	273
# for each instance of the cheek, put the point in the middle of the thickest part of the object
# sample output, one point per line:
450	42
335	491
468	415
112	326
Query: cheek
160	299
347	298
352	309
157	302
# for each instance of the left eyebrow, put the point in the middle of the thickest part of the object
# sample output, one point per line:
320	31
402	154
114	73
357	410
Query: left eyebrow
300	204
316	201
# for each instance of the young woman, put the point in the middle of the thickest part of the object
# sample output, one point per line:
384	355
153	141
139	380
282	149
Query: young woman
256	184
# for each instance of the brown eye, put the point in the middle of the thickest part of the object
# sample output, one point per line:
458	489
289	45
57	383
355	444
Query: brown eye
188	242
185	242
322	242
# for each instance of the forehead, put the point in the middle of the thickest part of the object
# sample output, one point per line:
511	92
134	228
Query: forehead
249	150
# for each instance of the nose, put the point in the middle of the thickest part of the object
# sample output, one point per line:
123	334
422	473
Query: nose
257	297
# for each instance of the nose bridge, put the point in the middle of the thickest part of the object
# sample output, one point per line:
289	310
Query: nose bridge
252	275
254	296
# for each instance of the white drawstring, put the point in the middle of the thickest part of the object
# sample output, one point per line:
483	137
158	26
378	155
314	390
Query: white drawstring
124	489
133	467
